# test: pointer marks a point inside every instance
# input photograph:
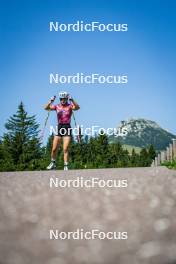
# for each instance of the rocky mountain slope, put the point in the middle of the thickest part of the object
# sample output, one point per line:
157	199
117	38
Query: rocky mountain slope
142	133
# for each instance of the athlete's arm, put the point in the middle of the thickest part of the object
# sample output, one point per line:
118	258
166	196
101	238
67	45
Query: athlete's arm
49	105
75	105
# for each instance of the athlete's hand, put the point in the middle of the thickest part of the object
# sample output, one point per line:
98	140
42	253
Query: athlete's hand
52	99
70	98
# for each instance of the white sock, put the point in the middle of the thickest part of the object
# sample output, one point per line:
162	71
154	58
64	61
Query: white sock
65	163
53	160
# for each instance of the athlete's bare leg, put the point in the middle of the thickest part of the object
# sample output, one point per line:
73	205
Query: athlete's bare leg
56	143
66	143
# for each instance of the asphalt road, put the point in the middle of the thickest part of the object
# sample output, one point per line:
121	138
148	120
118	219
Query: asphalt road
144	211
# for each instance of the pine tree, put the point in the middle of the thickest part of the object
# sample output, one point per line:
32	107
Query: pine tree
6	163
115	150
144	158
151	152
102	150
134	159
21	140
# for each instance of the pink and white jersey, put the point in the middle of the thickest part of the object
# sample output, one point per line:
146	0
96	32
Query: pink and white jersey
64	113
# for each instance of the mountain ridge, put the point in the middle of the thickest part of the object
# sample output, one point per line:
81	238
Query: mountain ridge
141	132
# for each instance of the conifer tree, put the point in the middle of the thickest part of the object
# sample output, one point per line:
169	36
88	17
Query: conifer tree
151	152
22	140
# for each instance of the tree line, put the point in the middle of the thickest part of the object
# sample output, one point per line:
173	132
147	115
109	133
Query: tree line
21	149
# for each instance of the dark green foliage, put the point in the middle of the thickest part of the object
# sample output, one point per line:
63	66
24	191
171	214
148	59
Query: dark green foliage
134	160
144	158
20	146
170	164
152	152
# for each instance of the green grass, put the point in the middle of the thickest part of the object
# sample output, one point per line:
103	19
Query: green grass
170	164
130	148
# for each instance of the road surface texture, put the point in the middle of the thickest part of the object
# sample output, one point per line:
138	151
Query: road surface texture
30	210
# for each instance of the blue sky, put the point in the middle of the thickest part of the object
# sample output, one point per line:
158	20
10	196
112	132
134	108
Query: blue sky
146	53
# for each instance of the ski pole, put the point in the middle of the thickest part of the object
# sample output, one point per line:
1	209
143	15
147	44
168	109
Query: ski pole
74	119
79	129
44	127
46	120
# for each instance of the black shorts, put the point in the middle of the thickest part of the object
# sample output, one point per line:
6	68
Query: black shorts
64	130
